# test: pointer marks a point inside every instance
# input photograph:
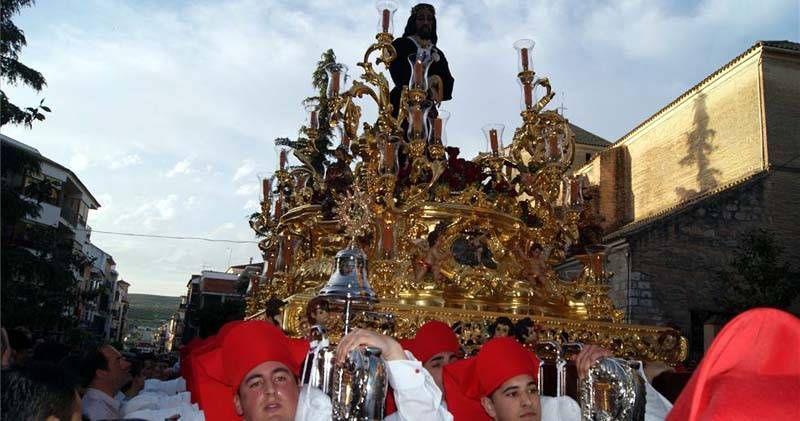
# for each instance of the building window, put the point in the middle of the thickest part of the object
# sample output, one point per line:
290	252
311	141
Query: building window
588	156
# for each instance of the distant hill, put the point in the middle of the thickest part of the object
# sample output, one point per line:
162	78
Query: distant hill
151	310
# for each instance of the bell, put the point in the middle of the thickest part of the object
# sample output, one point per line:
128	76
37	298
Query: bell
349	279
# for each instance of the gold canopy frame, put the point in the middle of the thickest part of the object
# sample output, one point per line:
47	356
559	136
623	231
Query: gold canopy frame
468	255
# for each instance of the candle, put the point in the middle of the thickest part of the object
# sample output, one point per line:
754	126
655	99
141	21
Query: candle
417	120
388	156
387	238
287	261
279	208
254	284
524	55
266	187
335	82
283	159
270	267
574	191
437	129
385	21
528	90
553	150
418	73
314	120
493	140
597	264
345	139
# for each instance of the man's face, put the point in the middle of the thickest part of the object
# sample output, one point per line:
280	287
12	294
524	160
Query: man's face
532	337
501	330
321	315
118	367
148	369
437	363
268	392
516	399
425	21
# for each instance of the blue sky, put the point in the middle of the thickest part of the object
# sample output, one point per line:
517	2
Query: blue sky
167	110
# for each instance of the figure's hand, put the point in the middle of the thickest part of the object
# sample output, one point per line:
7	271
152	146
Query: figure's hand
588	356
390	348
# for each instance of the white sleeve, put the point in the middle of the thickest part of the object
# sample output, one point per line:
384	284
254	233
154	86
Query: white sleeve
657	406
562	408
415	392
313	405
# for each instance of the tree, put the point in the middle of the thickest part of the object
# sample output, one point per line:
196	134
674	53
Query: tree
39	287
757	276
12	39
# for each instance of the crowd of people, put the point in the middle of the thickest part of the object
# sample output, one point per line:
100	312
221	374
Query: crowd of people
250	370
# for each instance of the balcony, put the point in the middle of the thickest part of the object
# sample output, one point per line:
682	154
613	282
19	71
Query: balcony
70	215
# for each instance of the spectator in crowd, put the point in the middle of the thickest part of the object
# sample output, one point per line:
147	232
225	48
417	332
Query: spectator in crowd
39	392
104	371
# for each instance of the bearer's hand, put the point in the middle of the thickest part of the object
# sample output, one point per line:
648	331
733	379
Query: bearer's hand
588	356
390	348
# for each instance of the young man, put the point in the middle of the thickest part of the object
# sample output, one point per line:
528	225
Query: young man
261	367
104	370
435	345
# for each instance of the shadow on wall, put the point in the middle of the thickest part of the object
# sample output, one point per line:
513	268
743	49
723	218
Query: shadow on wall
616	194
699	145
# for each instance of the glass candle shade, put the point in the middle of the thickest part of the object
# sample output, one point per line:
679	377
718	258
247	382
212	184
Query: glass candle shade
554	146
386	9
418	122
494	138
572	192
266	189
420	63
340	136
337	78
282	152
439	125
524	49
311	106
301	180
388	152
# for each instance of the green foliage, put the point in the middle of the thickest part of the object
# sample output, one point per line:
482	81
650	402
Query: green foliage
12	39
147	310
322	142
38	265
757	276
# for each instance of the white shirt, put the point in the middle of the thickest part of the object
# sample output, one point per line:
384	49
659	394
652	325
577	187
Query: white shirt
97	405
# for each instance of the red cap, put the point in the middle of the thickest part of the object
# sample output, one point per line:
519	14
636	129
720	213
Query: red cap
751	371
467	381
251	343
208	389
432	338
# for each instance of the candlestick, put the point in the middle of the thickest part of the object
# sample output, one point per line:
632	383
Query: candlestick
493	140
437	130
314	120
527	90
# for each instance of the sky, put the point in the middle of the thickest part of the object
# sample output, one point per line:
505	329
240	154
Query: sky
167	110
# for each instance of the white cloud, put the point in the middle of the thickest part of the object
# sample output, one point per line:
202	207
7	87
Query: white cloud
125	161
244	170
251	205
202	96
79	162
249	189
182	167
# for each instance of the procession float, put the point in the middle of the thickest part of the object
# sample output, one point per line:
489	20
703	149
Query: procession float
386	225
